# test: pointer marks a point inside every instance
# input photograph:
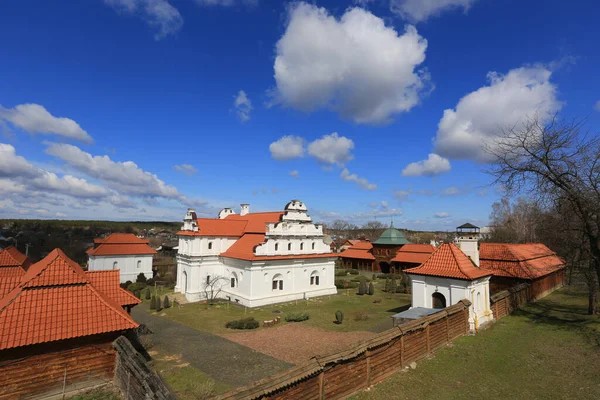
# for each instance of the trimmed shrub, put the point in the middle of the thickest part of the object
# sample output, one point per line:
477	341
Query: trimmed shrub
371	290
339	316
297	317
153	303
341	272
361	316
245	323
150	282
138	294
362	288
138	286
141	278
374	277
353	272
147	294
166	303
360	278
343	284
158	304
126	284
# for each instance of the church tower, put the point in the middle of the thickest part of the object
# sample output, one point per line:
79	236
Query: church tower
468	241
190	222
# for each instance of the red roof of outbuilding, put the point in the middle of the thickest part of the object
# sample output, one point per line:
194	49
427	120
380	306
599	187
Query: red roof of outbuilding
449	261
121	244
523	261
11	257
107	282
55	301
361	249
414	253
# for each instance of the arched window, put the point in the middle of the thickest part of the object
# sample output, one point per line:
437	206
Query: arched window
234	280
277	282
438	300
289	247
210	245
479	301
115	265
301	246
139	264
314	278
276	246
313	245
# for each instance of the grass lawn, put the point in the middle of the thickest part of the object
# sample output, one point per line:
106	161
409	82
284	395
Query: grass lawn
98	394
321	310
548	350
184	380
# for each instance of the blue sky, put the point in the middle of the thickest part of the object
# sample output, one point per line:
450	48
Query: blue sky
136	109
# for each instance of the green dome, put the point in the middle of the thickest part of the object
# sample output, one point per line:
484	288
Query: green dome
392	236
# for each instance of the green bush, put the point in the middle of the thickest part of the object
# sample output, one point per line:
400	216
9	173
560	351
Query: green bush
296	317
158	304
245	323
147	294
166	303
360	278
339	316
138	286
138	294
371	290
126	284
362	288
153	303
374	277
353	272
150	282
343	284
341	272
141	278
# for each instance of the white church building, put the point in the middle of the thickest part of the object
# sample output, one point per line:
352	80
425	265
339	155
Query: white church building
255	258
123	251
451	274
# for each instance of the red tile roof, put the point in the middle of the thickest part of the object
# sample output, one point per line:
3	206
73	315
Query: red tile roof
120	244
523	261
414	253
449	261
11	257
8	283
361	249
234	225
55	301
243	249
107	282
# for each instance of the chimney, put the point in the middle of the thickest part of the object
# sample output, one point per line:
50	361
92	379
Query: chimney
245	209
468	241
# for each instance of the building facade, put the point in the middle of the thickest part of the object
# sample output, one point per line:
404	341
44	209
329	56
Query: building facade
124	252
254	259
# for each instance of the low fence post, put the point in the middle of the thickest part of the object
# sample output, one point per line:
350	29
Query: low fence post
322	385
402	351
427	337
368	355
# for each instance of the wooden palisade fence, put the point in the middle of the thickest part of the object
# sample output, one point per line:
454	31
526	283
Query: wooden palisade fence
343	373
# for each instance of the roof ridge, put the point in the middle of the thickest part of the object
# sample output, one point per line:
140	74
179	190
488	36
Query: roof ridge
111	303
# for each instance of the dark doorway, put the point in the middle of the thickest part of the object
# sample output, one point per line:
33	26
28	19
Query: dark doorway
384	267
438	300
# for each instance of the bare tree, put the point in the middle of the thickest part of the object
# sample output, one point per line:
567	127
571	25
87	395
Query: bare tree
558	164
213	286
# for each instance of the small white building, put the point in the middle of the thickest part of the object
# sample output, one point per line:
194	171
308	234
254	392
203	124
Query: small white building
254	259
123	251
450	275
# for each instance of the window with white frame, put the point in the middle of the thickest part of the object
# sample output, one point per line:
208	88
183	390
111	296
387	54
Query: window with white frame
277	282
313	245
301	246
139	264
314	278
115	264
210	245
234	280
289	247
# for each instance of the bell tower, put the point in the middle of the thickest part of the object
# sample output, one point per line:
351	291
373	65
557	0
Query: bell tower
190	222
468	241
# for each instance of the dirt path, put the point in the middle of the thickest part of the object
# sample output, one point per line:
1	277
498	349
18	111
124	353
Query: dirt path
219	358
296	342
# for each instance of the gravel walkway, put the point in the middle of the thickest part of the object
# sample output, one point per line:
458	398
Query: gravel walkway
217	357
295	342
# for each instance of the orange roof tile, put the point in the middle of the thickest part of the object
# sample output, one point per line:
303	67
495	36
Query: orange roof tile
55	301
361	249
120	244
523	261
11	257
449	261
107	282
8	283
243	249
234	225
414	253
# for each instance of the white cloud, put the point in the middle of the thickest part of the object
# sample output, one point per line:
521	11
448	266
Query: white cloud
441	214
8	186
13	165
354	65
433	165
125	177
332	149
421	10
506	101
402	194
243	106
363	183
67	184
159	14
384	204
597	106
187	169
451	191
34	118
294	174
60	215
287	147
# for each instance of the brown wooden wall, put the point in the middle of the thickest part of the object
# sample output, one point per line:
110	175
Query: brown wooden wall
341	374
45	370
